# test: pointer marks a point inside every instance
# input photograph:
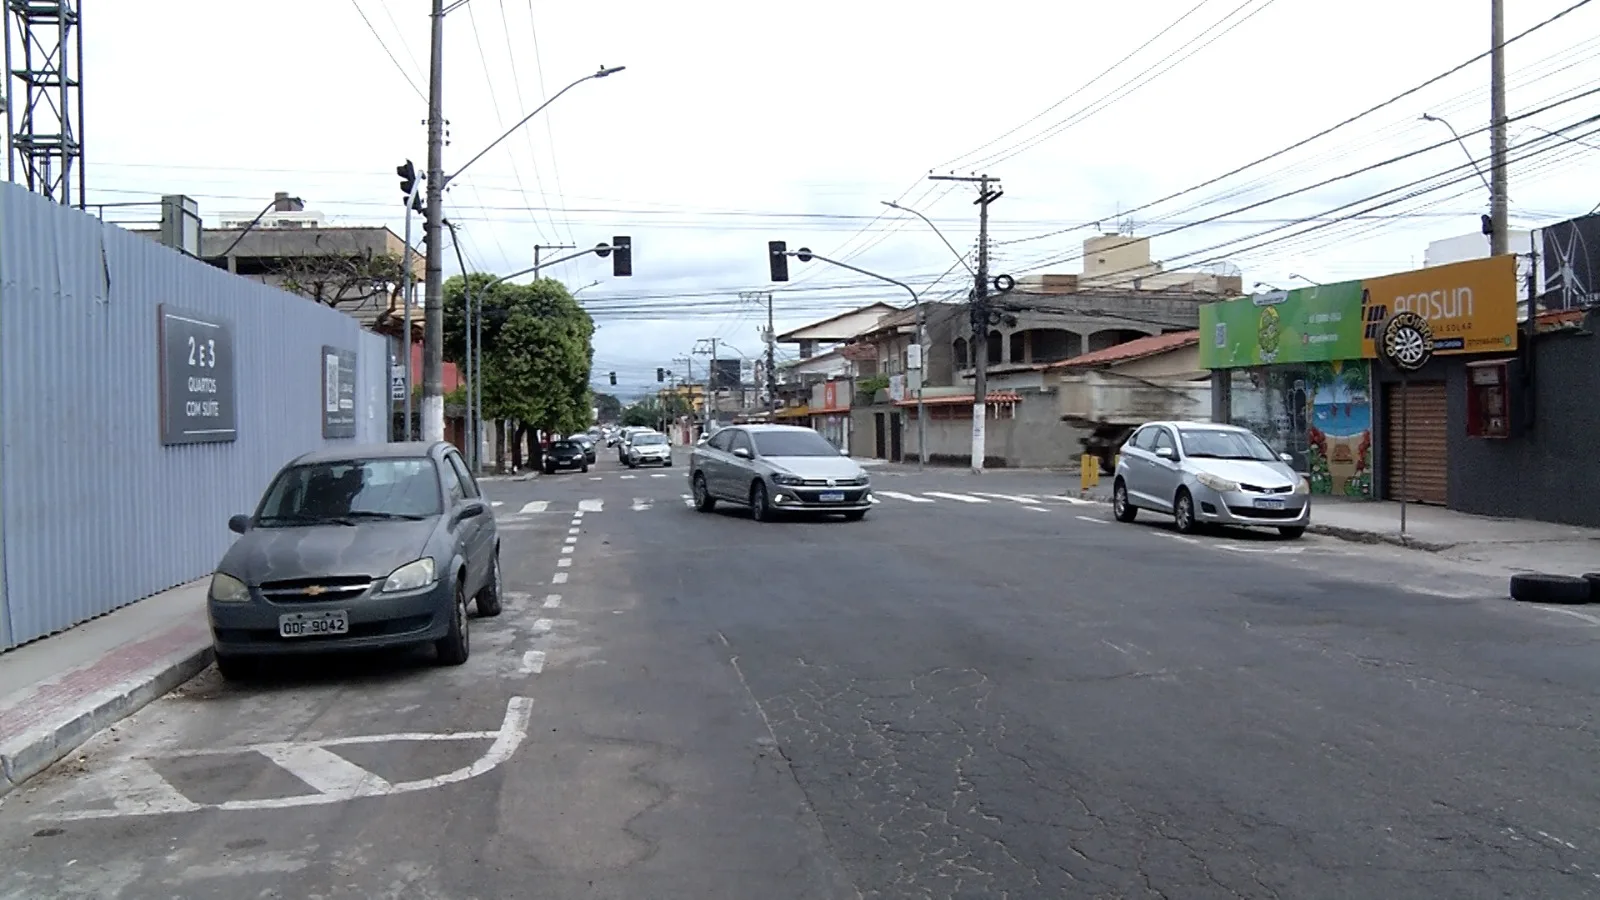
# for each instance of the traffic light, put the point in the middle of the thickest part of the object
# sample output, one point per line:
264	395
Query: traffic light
613	378
661	374
408	183
776	256
622	258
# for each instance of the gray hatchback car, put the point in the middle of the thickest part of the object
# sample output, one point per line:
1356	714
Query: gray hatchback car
775	469
357	548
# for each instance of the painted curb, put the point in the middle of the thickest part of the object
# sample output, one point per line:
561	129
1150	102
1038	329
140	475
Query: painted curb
25	756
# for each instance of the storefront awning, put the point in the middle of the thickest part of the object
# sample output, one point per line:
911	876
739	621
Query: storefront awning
963	399
792	412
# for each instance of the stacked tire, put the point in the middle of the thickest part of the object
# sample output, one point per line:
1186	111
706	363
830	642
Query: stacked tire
1564	590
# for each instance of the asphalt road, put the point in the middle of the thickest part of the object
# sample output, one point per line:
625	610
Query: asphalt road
982	690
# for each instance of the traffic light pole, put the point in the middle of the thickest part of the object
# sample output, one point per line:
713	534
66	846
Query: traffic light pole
805	255
408	280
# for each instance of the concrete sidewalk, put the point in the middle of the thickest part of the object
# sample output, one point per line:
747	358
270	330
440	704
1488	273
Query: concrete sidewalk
1514	544
57	692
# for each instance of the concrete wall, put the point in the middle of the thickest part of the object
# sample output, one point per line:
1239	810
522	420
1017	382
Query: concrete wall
1035	437
1549	473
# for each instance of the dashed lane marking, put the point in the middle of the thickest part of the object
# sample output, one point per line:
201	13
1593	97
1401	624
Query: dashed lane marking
658	474
535	506
1090	519
569	539
136	789
911	498
497	503
567	549
543	626
1037	508
564	561
574	530
1015	498
533	662
558	578
629	477
552	601
591	506
640	504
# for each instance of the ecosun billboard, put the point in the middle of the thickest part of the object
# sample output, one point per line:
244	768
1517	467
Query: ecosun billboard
198	402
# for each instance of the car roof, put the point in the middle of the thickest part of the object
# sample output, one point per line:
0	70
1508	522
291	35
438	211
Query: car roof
1200	426
347	452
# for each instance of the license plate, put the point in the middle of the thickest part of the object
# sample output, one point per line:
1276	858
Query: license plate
317	624
831	498
1273	503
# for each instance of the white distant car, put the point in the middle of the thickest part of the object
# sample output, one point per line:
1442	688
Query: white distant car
647	448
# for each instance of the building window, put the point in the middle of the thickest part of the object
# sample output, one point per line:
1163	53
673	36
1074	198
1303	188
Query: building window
997	346
958	349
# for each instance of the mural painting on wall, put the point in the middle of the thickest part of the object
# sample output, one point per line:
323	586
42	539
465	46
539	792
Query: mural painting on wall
1340	433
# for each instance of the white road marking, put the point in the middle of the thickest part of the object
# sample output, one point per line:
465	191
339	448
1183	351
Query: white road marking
564	562
533	662
1592	620
1077	501
873	499
689	502
961	497
591	506
1090	519
640	504
574	530
567	549
629	477
910	498
134	791
497	503
658	474
1037	508
558	578
595	477
543	626
536	506
325	771
1032	501
1176	537
570	540
551	601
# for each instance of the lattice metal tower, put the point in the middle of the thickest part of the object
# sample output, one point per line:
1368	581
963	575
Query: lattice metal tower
44	98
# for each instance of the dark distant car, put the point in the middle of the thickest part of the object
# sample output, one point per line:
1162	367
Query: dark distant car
565	455
587	443
361	547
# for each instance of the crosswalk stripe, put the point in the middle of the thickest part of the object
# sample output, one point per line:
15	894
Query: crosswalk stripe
961	497
1029	501
591	505
535	506
912	498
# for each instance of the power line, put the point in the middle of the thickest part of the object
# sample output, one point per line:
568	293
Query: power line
387	52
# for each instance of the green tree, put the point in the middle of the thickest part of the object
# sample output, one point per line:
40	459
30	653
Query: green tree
645	413
610	407
537	351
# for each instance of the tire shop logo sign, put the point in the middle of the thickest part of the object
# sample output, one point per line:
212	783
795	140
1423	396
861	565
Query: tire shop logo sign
1407	341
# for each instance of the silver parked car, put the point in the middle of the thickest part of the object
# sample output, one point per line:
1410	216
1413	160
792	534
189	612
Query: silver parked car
777	468
1207	474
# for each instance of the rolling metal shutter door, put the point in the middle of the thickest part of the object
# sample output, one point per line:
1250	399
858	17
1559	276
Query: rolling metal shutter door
1427	444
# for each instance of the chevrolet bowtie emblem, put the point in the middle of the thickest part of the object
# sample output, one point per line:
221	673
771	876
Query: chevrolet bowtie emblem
832	482
316	590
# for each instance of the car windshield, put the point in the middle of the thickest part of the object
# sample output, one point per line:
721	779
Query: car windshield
564	445
579	438
1214	443
351	491
643	439
793	443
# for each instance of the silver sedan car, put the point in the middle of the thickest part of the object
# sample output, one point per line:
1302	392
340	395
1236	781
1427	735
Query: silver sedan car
1206	474
775	469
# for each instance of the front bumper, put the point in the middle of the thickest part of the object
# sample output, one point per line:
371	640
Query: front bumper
809	499
647	459
1241	508
553	463
376	621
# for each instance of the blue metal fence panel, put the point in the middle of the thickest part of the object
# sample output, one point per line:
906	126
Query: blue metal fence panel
97	512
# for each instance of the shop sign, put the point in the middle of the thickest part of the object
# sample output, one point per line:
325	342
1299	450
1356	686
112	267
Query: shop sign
1470	306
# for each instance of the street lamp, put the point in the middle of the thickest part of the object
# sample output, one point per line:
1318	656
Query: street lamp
433	312
1262	284
582	289
1306	280
1426	117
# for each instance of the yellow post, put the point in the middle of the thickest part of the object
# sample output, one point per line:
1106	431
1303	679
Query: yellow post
1088	472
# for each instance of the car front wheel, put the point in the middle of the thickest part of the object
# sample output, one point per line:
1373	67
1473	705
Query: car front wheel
489	597
703	501
1120	507
455	646
760	505
1183	513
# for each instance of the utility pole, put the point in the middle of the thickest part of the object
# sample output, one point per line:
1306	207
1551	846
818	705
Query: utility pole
772	364
1499	238
538	248
433	308
711	375
980	314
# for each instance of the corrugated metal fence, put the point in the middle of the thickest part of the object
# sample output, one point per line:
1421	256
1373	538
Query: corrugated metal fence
97	512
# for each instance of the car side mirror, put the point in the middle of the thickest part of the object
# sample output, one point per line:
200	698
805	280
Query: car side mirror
741	452
1166	453
1286	457
472	510
239	524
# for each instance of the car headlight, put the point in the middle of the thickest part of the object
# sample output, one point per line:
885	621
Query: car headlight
1304	487
228	589
1220	485
416	574
788	480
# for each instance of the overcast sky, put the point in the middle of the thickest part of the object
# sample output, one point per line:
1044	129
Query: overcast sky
739	122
